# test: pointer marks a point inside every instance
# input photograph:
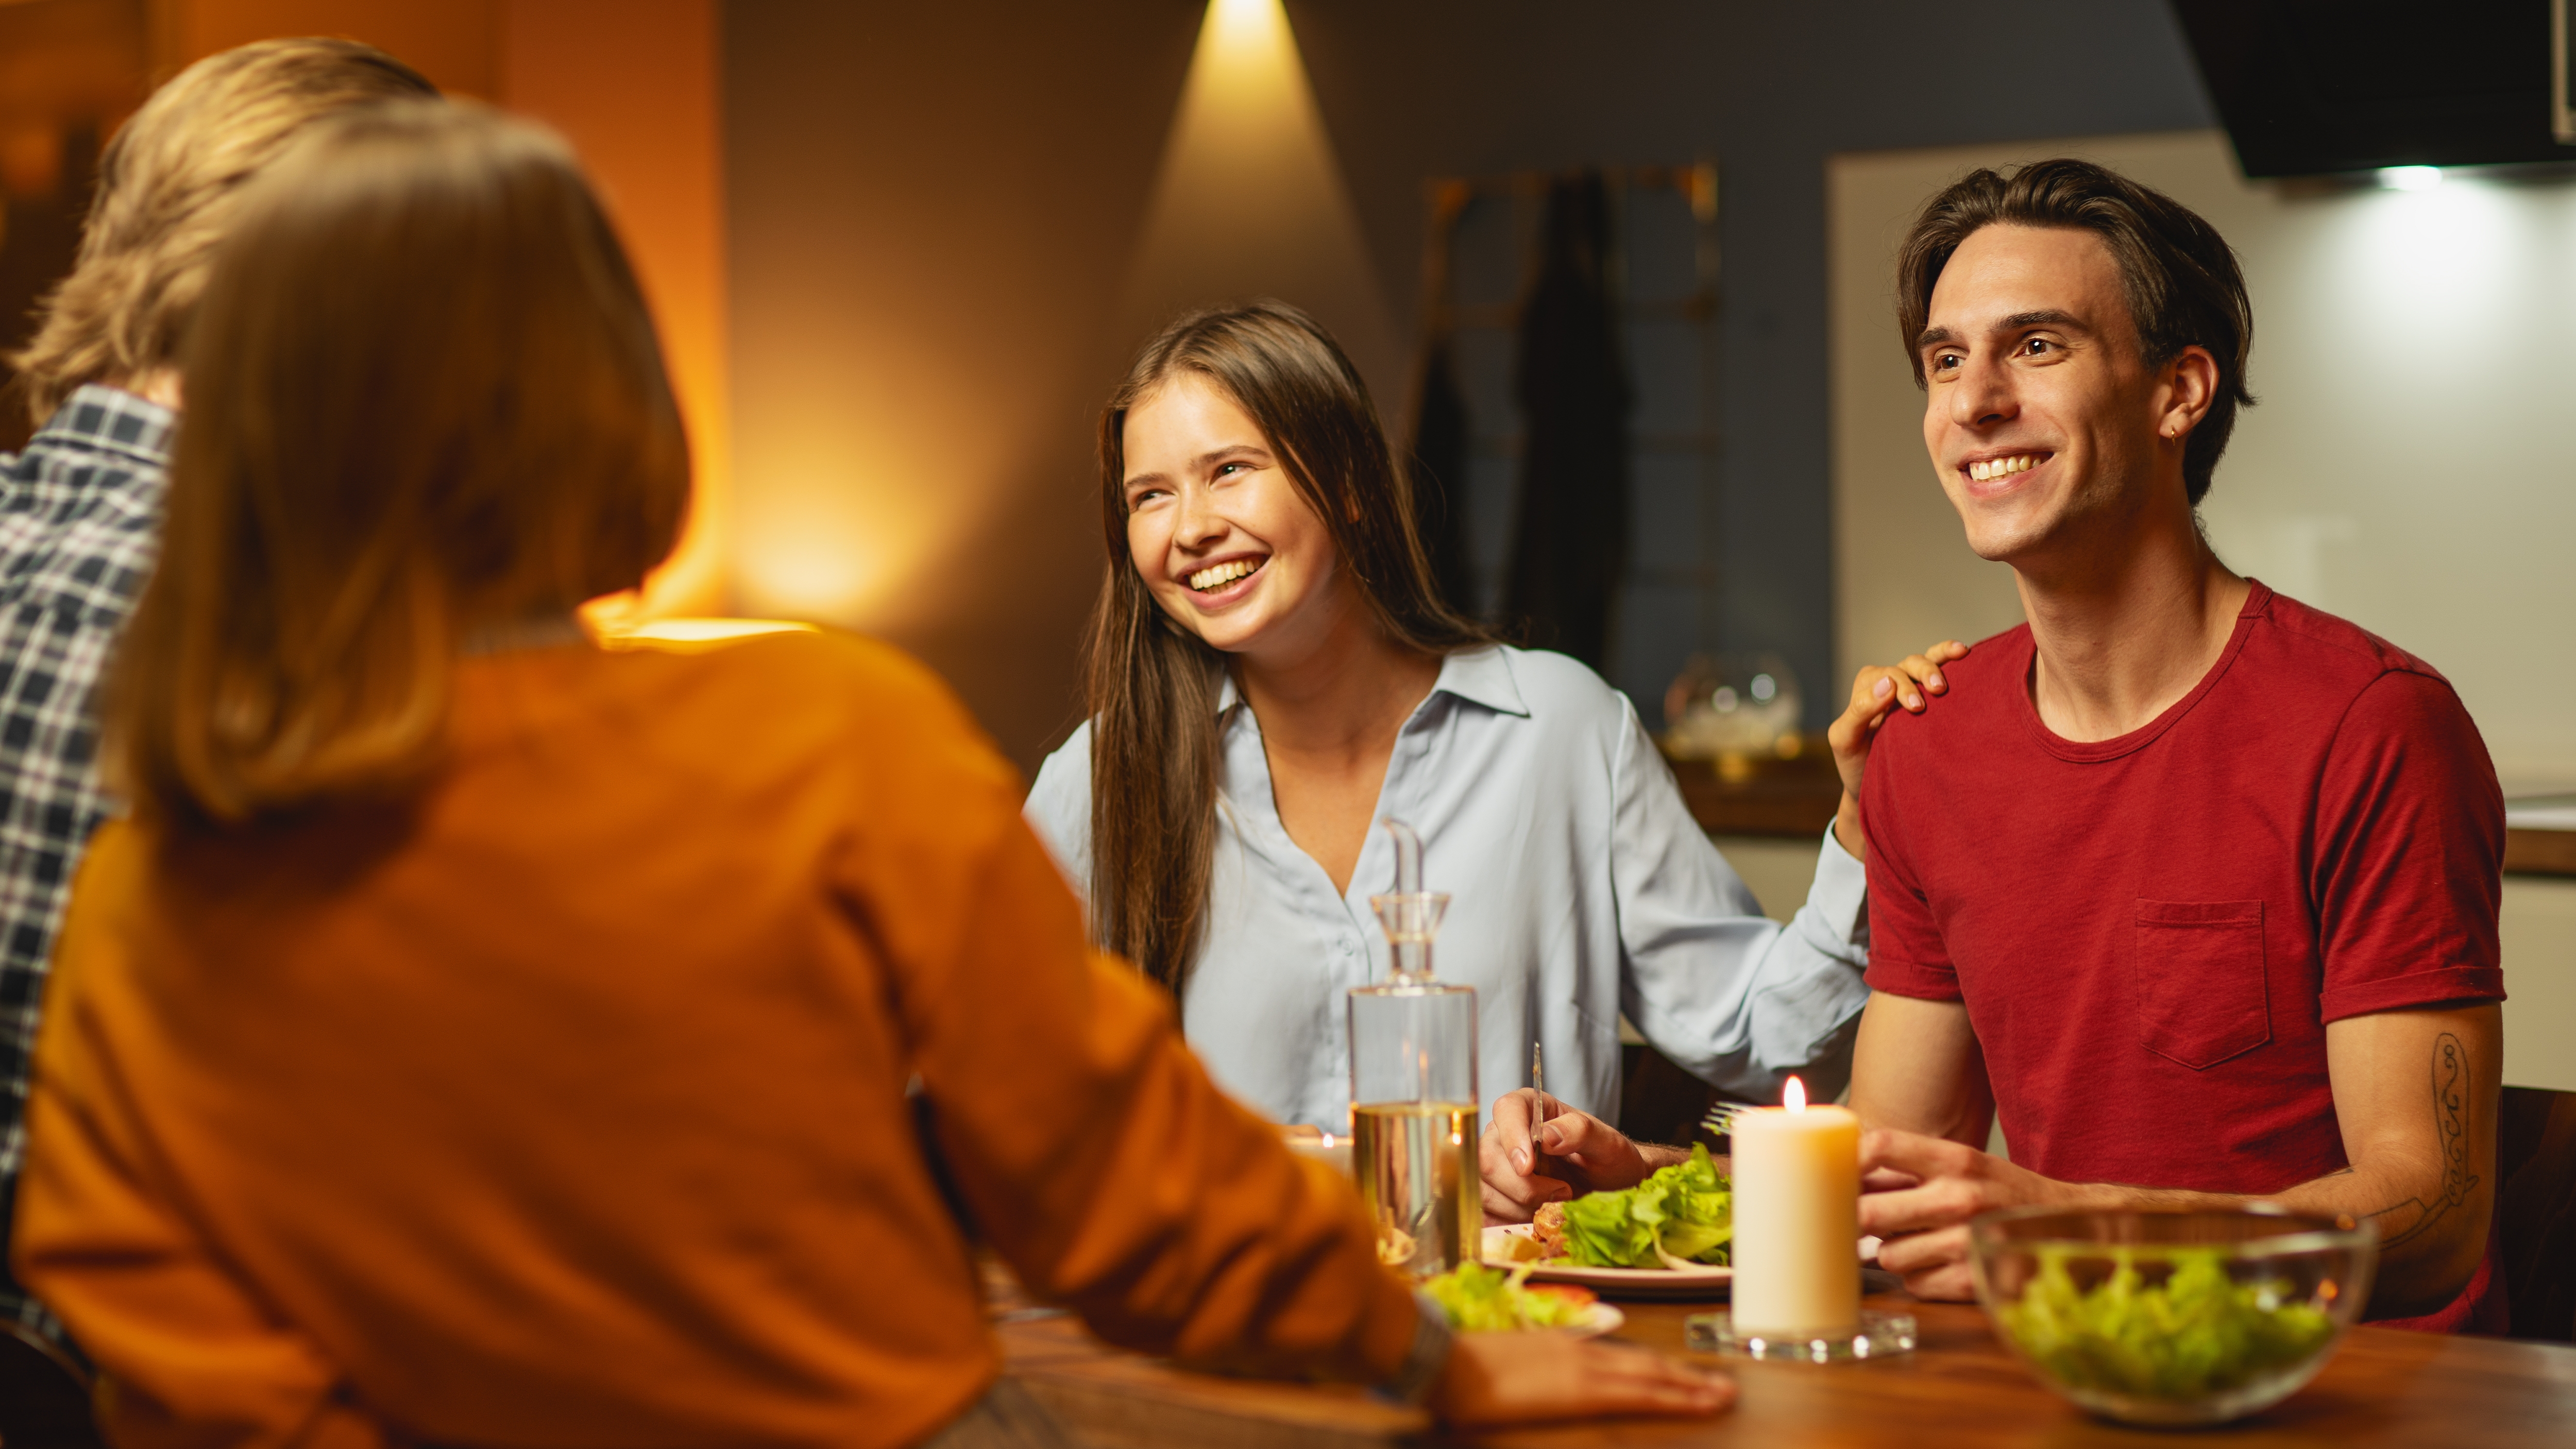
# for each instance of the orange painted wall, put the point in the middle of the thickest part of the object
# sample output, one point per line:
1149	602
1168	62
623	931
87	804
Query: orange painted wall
633	85
456	43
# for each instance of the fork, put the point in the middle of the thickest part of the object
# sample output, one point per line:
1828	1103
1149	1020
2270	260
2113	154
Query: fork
1721	1116
1538	1091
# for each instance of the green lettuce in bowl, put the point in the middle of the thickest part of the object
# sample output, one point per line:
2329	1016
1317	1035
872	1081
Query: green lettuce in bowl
2178	1317
2196	1333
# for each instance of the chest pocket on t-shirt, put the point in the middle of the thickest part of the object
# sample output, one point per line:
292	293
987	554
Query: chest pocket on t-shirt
2196	968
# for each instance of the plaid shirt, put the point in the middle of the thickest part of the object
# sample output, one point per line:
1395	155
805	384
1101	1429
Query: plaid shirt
80	522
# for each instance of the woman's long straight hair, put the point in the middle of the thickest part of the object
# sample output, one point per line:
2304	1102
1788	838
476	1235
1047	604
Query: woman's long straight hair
1152	686
424	400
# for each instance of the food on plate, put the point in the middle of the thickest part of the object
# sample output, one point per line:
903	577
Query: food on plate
1507	1247
1681	1217
1547	1231
2197	1332
1482	1300
1394	1246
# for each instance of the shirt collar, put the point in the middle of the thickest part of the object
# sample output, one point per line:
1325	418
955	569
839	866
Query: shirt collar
1482	676
110	420
1479	676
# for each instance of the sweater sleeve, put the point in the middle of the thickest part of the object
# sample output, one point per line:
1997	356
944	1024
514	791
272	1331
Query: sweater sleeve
1090	1145
181	1347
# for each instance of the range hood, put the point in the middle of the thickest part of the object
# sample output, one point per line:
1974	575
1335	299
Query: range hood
2312	87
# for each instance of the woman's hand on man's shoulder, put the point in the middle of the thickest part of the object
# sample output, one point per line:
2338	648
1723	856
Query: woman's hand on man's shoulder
1878	690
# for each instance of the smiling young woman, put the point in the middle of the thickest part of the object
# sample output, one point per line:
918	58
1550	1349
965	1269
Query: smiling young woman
1272	673
1240	445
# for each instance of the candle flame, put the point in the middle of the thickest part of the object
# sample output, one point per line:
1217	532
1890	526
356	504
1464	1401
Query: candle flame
1794	1096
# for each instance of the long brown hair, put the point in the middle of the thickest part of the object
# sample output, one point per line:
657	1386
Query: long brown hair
168	187
424	400
1152	686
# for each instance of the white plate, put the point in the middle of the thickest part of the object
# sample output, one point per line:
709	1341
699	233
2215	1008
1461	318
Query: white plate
1604	1318
1627	1282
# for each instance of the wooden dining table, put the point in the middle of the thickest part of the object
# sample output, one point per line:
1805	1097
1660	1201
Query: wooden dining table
1958	1387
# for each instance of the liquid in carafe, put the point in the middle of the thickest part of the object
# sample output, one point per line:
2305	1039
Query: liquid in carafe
1417	1171
1413	1088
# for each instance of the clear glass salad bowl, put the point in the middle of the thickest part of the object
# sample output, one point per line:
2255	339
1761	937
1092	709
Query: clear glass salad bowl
2184	1317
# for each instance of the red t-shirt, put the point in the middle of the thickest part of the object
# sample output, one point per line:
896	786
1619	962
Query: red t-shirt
2150	933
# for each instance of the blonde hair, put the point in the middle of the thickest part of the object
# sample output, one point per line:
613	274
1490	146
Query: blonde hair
424	401
166	194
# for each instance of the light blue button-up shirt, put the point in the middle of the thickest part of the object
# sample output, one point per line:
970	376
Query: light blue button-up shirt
1581	889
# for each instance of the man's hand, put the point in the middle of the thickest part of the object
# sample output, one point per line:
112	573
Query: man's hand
1917	1194
1877	689
1569	1153
1493	1379
2414	1093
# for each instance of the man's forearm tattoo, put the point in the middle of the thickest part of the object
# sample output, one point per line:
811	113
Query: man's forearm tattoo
2411	1219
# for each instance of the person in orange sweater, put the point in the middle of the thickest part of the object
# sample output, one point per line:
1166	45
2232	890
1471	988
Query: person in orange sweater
480	1036
80	505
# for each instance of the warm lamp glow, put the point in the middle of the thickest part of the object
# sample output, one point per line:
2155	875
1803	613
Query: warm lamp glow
1794	1095
1248	146
812	565
689	635
1242	31
702	631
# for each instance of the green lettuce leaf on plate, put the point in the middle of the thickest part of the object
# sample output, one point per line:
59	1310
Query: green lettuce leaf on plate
1479	1299
1682	1215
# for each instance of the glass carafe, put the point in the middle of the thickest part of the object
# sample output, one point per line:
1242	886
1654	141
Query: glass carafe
1413	1088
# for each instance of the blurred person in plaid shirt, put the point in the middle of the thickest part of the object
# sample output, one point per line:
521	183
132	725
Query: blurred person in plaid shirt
80	508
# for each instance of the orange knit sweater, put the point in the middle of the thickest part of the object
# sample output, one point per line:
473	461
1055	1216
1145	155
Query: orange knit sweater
567	1106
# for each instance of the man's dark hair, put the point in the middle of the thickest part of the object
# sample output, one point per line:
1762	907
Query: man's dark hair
2180	276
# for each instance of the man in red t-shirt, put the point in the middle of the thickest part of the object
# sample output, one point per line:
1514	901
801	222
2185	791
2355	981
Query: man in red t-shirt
2203	882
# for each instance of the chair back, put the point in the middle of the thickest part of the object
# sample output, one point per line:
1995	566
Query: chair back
44	1394
2536	1161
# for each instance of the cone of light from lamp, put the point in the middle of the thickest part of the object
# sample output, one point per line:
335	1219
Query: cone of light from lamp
1250	200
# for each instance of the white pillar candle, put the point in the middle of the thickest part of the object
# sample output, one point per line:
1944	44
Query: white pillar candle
1797	1218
